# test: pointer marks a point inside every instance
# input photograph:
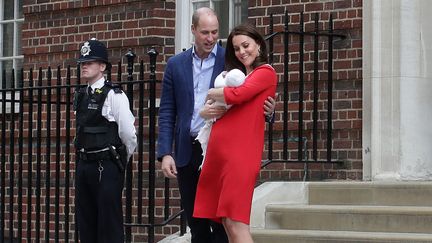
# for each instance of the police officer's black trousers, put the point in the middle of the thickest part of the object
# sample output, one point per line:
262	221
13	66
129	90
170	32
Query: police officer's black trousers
202	230
98	203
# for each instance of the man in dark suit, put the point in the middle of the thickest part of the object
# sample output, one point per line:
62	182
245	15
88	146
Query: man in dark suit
187	78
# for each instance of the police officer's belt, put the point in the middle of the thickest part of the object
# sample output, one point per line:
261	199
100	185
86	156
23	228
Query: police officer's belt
92	155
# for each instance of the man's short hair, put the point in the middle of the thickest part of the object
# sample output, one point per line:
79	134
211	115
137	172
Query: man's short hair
200	11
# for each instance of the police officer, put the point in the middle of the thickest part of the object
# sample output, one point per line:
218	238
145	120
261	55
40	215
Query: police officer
105	140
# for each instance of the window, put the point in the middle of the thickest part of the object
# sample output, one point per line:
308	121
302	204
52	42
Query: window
230	13
11	19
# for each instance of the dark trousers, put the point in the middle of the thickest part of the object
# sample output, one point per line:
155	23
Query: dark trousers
202	230
99	203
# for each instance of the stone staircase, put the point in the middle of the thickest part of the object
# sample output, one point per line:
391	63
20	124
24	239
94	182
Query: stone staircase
342	212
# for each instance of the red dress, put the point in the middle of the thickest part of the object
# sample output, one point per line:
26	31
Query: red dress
234	151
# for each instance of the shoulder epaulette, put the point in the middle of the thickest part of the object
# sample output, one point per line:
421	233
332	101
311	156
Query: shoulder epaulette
115	87
79	93
82	89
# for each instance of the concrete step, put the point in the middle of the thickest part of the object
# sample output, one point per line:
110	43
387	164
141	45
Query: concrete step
400	219
371	193
312	236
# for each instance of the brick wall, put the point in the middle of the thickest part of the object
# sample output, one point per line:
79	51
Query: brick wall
347	83
54	29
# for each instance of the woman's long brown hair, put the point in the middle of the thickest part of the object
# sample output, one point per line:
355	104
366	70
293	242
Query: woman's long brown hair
231	60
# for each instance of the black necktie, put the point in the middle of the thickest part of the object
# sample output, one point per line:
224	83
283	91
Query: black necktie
89	90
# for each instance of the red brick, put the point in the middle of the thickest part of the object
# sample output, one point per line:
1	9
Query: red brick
313	7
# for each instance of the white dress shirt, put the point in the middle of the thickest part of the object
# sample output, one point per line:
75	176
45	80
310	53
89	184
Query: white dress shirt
202	72
116	108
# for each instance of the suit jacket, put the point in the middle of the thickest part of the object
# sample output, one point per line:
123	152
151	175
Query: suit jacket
177	105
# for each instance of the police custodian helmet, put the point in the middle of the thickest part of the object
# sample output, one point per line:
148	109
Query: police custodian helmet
93	50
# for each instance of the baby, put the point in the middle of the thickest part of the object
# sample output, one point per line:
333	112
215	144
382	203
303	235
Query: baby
233	78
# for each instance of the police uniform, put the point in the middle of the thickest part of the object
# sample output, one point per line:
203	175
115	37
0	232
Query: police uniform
105	140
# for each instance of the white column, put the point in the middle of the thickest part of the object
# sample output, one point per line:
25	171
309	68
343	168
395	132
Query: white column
396	86
416	90
380	90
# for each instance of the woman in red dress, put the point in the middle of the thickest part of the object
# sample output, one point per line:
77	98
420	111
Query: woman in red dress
234	151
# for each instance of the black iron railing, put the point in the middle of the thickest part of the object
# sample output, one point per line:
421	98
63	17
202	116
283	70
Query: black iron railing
301	139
